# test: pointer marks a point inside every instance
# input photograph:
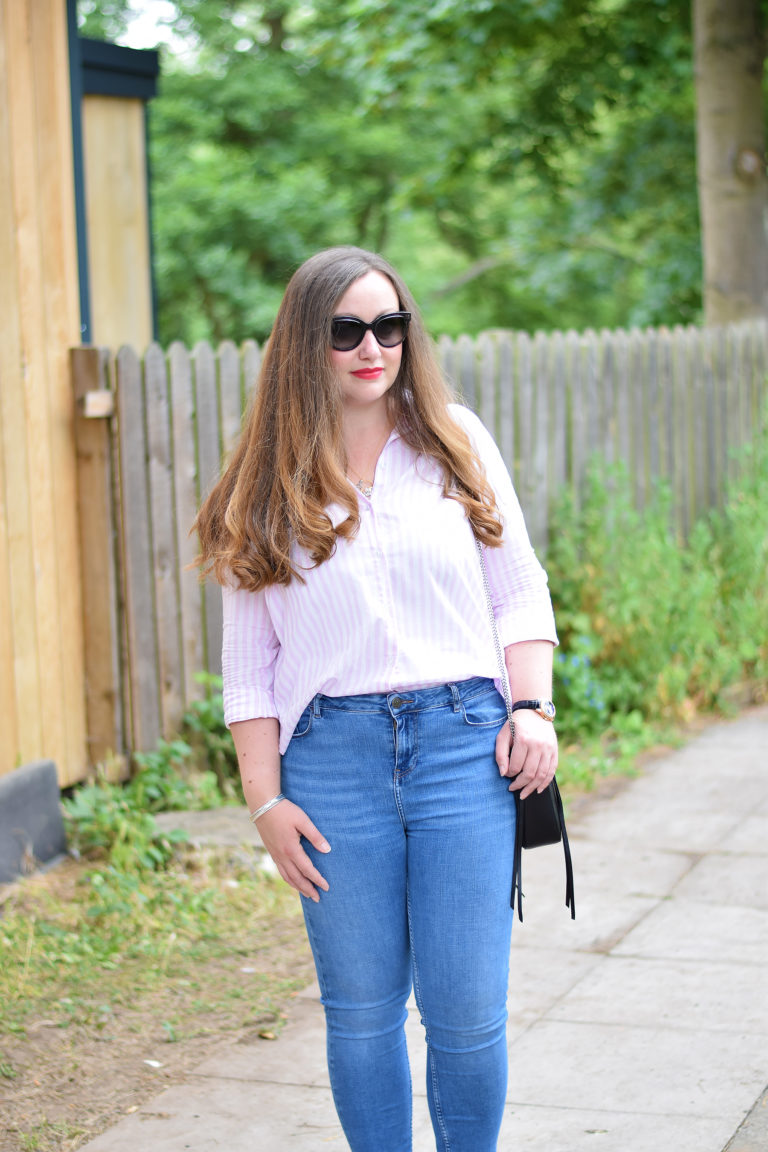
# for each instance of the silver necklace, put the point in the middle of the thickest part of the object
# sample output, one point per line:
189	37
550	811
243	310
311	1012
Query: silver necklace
362	485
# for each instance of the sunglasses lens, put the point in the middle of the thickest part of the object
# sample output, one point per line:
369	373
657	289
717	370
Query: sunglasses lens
346	334
390	330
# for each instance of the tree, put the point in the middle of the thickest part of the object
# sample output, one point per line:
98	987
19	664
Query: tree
527	165
261	154
729	39
582	141
103	19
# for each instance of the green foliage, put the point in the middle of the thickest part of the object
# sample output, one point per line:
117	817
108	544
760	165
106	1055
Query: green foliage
198	770
102	19
106	820
654	628
582	706
211	744
525	166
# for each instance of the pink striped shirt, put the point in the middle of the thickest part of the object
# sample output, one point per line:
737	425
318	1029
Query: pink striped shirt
400	606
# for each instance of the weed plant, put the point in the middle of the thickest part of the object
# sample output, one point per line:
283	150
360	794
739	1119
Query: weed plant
654	628
196	771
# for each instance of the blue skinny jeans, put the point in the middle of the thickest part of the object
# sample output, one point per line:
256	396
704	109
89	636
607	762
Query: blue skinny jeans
405	788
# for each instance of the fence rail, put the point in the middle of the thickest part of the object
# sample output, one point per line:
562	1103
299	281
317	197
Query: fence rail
674	405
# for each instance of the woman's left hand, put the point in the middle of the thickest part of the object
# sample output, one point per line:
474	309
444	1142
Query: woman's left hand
532	760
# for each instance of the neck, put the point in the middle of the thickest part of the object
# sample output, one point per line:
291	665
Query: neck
365	434
365	423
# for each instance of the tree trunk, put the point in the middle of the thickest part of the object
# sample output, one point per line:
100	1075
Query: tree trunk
729	52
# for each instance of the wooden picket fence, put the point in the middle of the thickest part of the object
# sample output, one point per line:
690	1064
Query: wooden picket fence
673	405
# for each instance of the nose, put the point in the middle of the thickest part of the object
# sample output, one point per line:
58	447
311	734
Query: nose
369	345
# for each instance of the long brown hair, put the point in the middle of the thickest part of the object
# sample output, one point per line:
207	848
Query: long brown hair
289	464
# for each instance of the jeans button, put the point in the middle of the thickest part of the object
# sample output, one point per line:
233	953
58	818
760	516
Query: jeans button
397	701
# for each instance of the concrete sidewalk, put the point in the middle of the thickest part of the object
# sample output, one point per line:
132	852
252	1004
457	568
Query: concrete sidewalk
641	1026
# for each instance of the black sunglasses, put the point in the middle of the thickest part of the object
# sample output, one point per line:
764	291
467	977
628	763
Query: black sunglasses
389	331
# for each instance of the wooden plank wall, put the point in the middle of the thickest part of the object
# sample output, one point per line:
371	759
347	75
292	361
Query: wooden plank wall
672	405
41	646
116	202
177	416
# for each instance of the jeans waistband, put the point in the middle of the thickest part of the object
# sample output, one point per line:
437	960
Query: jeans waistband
405	699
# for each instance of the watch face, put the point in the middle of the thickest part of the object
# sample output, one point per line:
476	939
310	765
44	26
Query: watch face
547	709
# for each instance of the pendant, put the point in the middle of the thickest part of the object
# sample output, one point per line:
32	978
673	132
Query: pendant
366	489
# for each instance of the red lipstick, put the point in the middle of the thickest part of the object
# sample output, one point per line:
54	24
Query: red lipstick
368	373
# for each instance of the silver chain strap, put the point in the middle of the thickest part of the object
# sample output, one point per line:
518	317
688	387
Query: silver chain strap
497	642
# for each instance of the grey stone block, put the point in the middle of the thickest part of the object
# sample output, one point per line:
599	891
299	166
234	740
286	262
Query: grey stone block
31	823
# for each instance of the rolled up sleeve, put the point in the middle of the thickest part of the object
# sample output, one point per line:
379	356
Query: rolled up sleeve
249	654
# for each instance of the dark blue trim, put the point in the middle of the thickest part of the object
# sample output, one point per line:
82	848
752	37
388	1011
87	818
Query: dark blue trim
76	101
111	70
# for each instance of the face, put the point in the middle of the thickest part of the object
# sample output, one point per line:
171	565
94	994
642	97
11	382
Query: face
367	373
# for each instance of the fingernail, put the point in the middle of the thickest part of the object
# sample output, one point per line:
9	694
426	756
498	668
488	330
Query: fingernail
325	846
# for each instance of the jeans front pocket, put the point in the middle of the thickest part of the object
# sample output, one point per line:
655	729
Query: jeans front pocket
303	724
486	710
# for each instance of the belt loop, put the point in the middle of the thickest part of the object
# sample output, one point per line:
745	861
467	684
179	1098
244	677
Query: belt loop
456	697
316	711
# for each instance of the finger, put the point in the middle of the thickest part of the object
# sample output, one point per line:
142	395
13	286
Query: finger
529	790
294	875
503	749
524	769
295	879
308	870
523	761
526	784
313	834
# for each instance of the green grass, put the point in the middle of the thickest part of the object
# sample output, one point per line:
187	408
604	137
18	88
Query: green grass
76	947
48	1135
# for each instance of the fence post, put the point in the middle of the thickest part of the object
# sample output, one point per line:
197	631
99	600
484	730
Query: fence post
94	405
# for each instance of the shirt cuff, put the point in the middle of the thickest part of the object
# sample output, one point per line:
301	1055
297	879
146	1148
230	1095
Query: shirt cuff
517	625
248	704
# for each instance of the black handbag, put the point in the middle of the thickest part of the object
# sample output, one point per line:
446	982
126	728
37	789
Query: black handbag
540	817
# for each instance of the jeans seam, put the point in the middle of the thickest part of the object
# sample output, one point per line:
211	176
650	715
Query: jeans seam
431	1068
486	690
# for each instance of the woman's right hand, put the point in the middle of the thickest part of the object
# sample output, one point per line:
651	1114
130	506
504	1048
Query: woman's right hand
281	830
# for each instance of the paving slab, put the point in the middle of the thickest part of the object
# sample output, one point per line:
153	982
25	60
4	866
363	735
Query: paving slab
229	1115
691	931
643	1025
652	993
740	881
616	1067
752	1136
749	835
582	1130
539	979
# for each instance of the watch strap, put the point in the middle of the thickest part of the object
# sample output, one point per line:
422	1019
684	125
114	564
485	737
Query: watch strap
544	708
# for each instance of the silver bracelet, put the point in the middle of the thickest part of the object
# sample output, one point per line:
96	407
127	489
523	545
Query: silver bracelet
265	807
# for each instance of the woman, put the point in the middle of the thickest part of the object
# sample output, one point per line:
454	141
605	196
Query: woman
358	668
